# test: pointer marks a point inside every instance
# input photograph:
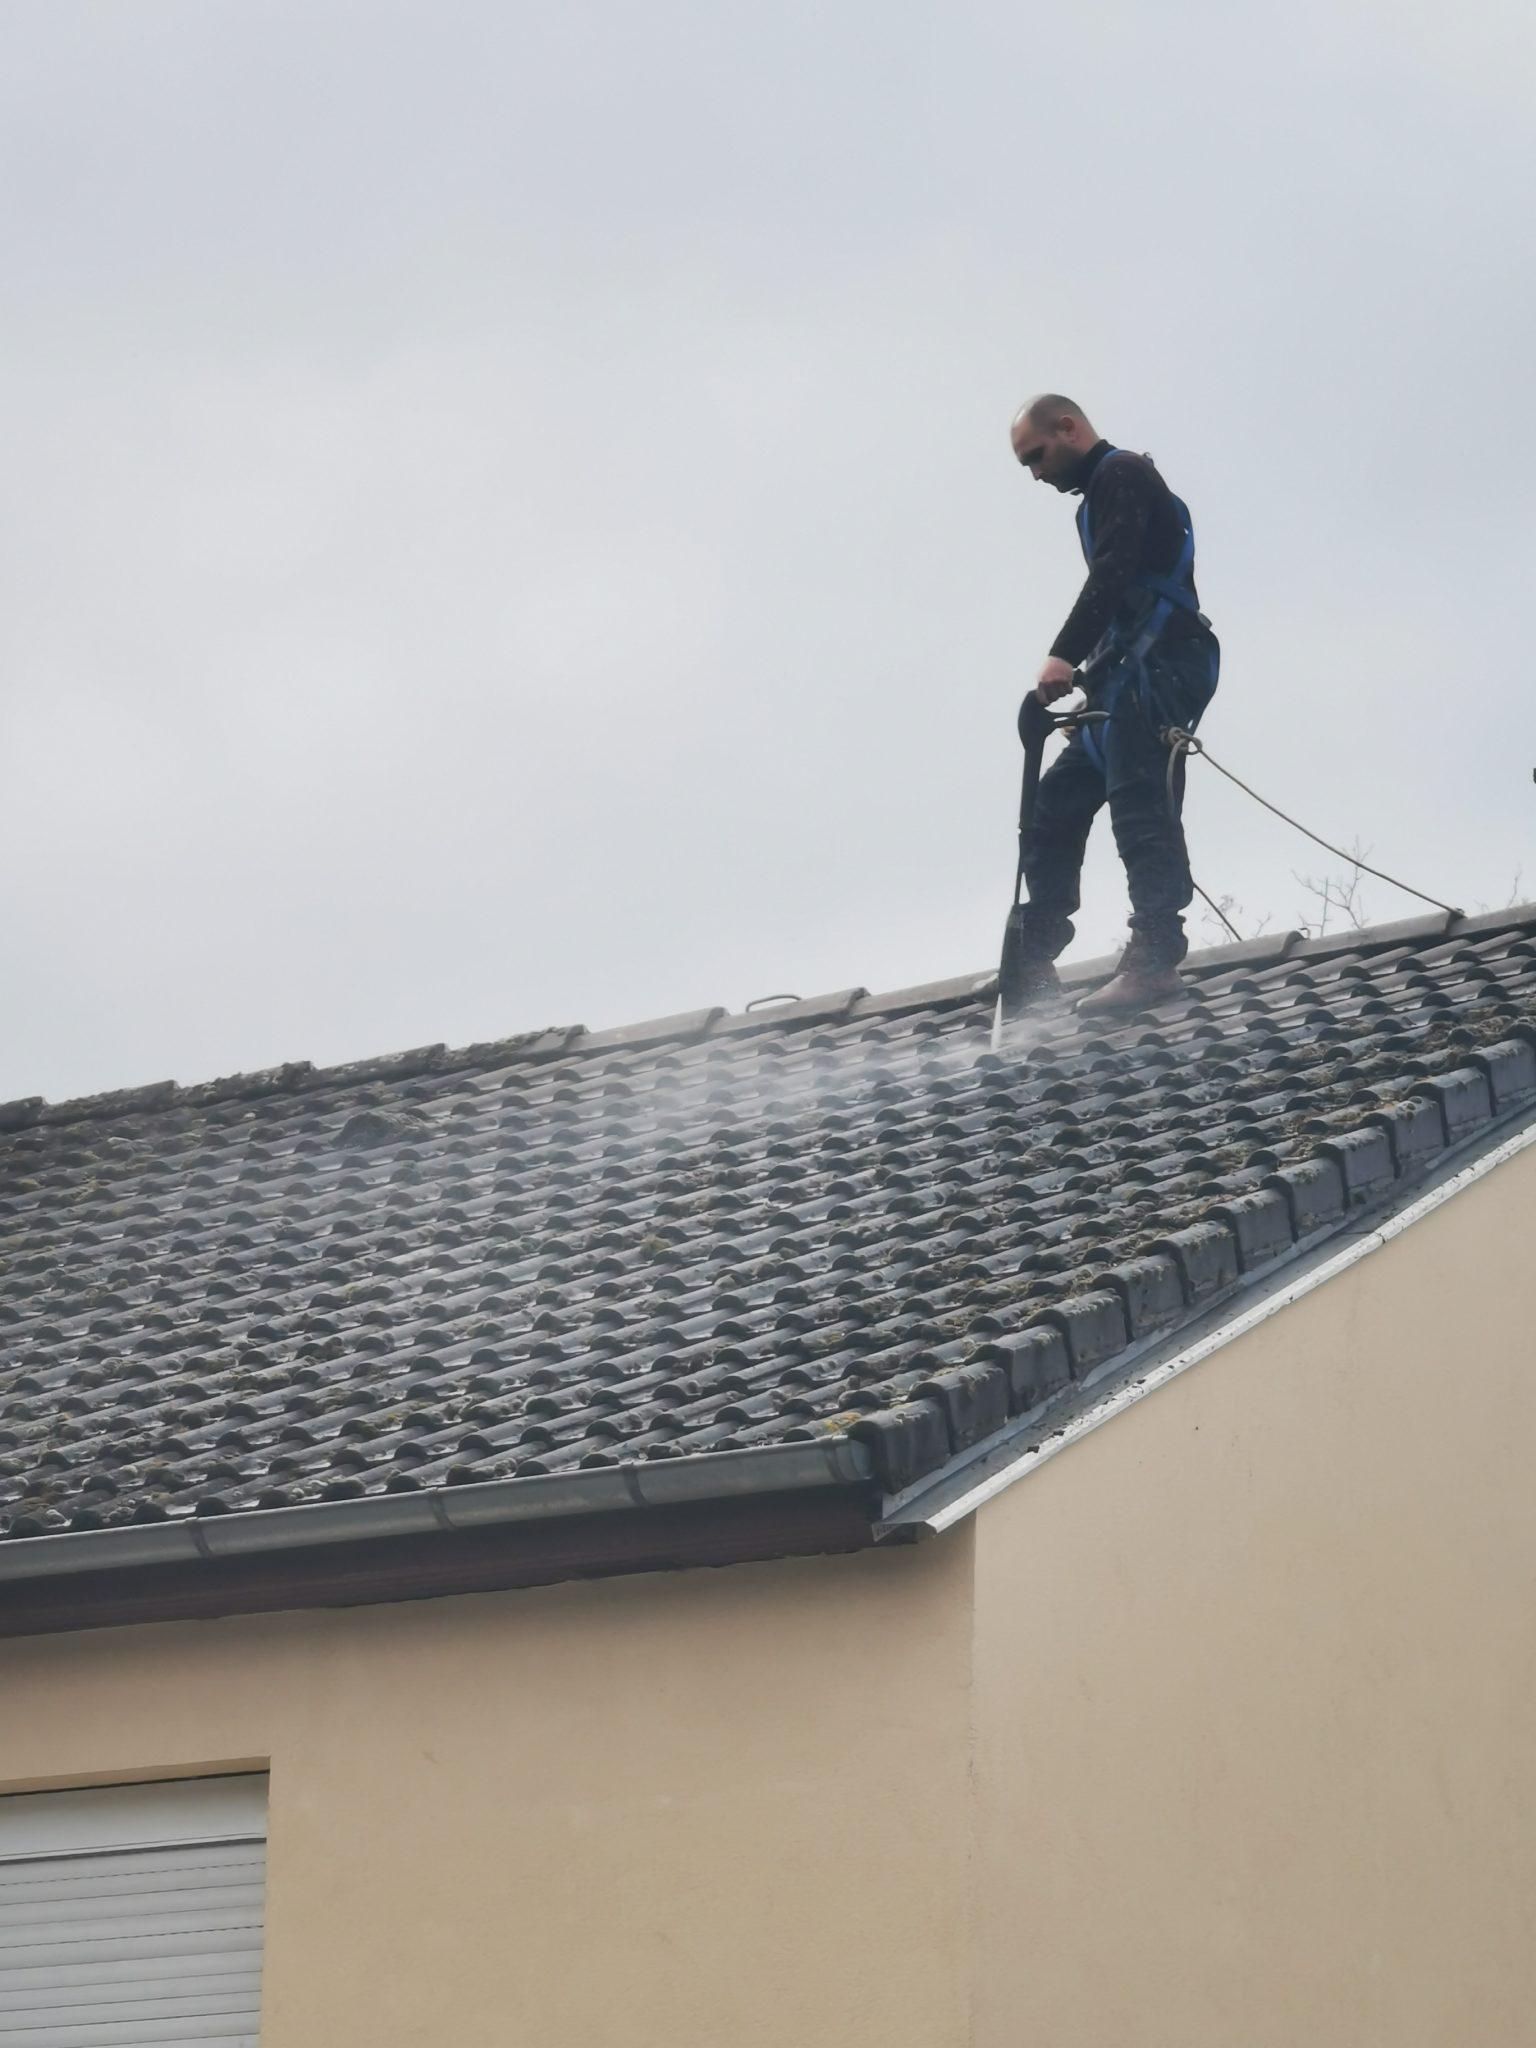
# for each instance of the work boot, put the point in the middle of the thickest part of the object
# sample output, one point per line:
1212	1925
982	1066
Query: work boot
1026	981
1027	972
1142	980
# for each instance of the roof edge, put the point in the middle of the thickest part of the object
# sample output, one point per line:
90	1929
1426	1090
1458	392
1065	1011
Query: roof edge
453	1510
942	1498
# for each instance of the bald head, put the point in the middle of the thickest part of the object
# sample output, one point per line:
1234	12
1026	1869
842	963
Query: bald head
1050	409
1051	435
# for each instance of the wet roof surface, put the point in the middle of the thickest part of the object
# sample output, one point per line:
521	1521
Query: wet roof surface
712	1233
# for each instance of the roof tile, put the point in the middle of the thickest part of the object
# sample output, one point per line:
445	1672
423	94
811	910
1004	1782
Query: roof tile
632	1037
776	1015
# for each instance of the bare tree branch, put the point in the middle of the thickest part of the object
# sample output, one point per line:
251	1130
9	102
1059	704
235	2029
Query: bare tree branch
1512	899
1338	896
1228	906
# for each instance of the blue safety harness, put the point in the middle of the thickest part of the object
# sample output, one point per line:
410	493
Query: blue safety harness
1128	643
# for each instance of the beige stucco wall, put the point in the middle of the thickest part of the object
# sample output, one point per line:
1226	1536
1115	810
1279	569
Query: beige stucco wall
1256	1680
664	1812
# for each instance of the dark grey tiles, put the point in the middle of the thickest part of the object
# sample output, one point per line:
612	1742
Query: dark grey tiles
569	1250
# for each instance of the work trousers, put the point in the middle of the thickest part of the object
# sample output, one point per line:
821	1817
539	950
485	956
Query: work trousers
1170	687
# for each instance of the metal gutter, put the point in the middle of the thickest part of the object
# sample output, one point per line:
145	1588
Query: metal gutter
718	1475
928	1510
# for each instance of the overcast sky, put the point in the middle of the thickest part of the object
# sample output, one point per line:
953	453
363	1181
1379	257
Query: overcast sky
507	515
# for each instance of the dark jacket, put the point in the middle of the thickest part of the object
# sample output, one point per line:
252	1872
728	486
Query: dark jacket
1135	527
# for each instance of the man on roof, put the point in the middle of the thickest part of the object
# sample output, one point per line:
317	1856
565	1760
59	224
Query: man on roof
1139	647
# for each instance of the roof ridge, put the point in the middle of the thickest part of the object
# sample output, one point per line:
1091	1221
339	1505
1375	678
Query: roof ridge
296	1077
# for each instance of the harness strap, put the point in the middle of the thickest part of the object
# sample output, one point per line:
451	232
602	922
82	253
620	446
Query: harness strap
1169	592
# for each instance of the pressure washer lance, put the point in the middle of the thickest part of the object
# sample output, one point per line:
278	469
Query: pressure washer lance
1036	724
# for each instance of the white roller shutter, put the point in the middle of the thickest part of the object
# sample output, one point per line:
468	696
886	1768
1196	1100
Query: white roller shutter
132	1915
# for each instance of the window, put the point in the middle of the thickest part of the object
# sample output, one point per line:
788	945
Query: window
132	1915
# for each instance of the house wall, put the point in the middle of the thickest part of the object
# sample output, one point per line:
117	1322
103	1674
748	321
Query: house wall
718	1806
1256	1680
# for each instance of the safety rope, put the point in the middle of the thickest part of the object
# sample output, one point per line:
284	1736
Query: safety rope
1212	904
1181	743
